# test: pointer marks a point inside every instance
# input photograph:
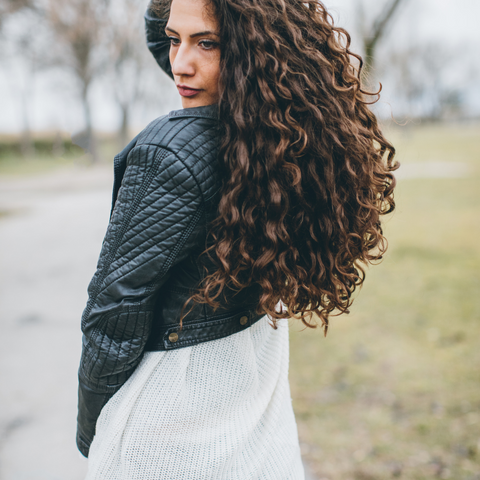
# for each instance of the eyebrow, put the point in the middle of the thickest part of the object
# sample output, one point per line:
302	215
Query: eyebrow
199	34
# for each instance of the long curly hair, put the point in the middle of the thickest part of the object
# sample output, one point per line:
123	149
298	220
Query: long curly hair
307	172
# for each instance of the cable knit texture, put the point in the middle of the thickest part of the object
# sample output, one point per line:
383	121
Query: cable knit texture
219	410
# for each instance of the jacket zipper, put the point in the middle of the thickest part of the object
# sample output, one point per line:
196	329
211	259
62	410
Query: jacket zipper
129	215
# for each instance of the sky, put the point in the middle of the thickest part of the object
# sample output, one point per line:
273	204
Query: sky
53	105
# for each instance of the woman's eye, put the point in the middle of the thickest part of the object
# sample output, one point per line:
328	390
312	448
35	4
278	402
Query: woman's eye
174	40
208	44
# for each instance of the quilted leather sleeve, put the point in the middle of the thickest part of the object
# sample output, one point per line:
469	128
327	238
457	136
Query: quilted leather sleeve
159	204
157	41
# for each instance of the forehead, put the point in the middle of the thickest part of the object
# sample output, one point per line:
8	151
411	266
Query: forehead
191	16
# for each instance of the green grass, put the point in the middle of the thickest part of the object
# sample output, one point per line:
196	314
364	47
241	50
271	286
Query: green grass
394	389
14	164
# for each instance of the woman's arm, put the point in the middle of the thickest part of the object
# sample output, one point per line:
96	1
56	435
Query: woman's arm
157	41
159	204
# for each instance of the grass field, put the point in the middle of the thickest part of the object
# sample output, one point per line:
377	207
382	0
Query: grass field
394	391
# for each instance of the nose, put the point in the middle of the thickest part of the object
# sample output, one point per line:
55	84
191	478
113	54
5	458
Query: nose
183	61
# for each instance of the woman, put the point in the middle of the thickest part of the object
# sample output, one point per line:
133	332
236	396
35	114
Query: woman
255	203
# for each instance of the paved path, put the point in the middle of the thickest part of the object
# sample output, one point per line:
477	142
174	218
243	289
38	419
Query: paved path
51	229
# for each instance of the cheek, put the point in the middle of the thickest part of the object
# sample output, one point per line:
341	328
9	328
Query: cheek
213	72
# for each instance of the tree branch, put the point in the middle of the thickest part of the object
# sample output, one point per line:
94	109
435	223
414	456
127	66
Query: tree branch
380	24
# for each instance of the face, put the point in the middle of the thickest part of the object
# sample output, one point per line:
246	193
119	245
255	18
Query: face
194	52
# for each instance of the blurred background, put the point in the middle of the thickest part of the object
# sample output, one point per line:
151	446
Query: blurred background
393	391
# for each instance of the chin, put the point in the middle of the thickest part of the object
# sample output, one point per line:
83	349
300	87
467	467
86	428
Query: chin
191	102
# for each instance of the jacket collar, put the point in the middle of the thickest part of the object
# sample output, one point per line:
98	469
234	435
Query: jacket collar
207	111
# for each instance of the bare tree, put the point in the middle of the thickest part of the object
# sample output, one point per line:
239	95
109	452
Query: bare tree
97	41
77	26
128	58
134	78
19	54
374	30
27	146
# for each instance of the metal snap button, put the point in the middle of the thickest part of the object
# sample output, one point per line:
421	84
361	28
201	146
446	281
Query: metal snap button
173	337
243	320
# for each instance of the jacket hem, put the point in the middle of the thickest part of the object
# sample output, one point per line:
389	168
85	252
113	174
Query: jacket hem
200	332
83	447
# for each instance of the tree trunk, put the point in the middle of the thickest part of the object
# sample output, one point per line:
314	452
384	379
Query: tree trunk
27	146
91	143
123	136
376	33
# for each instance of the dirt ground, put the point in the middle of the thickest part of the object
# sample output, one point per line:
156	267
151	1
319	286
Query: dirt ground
51	228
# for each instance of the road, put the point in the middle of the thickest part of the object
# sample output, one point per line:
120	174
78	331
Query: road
51	230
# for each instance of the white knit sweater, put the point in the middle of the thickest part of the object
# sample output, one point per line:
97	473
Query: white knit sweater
219	410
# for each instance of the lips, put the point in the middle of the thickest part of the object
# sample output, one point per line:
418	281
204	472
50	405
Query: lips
186	91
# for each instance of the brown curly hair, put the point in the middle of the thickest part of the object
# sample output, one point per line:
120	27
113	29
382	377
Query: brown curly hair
307	170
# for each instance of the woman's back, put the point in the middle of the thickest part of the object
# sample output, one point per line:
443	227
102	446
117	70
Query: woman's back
165	192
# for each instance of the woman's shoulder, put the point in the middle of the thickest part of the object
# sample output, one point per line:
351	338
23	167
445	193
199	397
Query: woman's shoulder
190	135
186	132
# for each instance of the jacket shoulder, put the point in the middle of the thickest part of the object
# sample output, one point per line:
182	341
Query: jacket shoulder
193	139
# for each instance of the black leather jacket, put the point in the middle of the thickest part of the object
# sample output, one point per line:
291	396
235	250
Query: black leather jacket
166	191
